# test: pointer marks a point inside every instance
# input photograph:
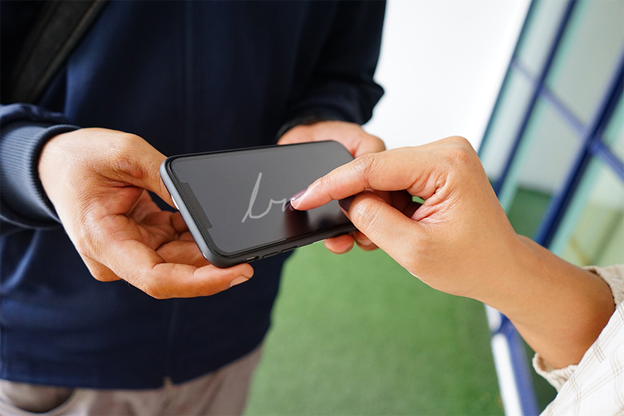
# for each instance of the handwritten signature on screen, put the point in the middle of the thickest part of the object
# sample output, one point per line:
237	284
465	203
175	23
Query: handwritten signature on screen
252	200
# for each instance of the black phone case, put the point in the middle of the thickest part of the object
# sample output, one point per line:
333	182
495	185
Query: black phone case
190	208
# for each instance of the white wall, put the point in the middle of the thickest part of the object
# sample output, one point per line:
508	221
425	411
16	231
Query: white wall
442	63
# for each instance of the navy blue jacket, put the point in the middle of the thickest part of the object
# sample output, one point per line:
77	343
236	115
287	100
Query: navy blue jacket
187	77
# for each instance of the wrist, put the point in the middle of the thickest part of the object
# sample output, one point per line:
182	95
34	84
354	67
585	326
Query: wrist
559	309
49	164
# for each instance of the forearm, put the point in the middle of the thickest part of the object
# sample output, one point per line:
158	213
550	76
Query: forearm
558	308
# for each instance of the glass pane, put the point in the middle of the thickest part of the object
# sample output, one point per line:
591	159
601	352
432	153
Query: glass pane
614	134
592	232
588	55
505	124
541	165
538	36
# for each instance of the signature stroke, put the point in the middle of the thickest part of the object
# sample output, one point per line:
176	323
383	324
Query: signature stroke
252	201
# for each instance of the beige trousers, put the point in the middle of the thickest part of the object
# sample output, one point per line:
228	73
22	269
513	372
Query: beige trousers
222	392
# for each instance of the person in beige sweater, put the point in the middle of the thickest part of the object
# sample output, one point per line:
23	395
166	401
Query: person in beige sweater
459	241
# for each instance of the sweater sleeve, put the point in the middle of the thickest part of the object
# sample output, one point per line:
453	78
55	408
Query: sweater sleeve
342	86
24	129
614	277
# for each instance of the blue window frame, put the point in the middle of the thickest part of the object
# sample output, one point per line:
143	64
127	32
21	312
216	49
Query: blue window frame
562	94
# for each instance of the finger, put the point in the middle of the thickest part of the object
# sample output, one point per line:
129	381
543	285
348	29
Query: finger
146	270
99	271
353	138
138	163
178	223
298	134
142	207
364	242
170	280
386	227
422	171
366	144
340	245
386	171
186	236
182	252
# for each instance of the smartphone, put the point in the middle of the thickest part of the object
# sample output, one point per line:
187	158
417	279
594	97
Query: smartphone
236	203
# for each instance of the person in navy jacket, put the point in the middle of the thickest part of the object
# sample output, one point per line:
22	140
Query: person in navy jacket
93	268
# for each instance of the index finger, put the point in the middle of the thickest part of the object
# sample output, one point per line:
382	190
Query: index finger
387	171
420	170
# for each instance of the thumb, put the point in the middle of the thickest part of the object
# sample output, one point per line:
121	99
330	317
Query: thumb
387	227
143	170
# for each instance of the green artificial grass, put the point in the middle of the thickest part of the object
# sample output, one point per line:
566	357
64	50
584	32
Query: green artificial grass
358	335
527	210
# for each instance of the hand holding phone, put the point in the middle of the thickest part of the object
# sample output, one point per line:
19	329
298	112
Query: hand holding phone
102	201
236	203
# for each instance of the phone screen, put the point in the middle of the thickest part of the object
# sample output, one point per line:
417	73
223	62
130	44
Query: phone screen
240	199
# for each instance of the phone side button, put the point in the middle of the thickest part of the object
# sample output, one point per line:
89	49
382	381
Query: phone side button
288	249
269	255
252	258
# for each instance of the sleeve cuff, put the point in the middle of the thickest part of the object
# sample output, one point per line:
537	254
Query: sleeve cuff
24	202
614	277
556	377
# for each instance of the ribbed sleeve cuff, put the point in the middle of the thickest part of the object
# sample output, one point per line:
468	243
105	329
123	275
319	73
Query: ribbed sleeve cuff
23	200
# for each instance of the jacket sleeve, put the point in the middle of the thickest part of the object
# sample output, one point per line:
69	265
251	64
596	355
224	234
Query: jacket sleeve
342	85
24	129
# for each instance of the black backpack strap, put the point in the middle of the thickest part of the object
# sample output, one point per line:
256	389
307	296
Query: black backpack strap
58	29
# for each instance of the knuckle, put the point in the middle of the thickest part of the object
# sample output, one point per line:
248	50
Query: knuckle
365	165
366	214
460	154
459	140
122	144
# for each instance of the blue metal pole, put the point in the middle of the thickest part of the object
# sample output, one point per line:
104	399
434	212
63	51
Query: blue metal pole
522	373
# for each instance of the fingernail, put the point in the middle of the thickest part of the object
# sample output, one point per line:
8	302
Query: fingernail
297	196
346	202
238	281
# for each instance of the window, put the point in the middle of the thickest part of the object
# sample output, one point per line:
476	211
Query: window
554	146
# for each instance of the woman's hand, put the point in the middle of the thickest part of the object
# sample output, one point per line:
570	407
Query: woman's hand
460	242
460	222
